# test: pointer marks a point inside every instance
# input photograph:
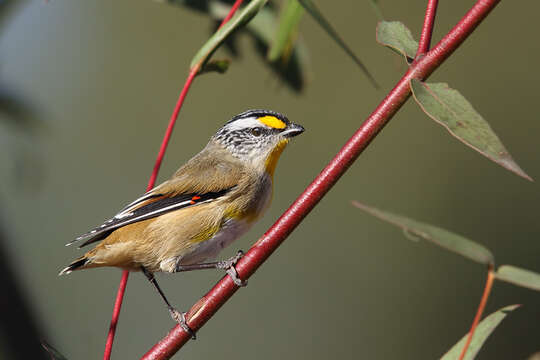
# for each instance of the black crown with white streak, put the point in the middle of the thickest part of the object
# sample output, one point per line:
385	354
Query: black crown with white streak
257	113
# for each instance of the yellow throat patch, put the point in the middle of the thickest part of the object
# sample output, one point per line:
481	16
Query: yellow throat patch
272	159
272	122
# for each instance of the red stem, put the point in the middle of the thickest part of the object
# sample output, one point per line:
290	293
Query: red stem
192	73
235	7
116	314
207	306
427	29
481	307
125	274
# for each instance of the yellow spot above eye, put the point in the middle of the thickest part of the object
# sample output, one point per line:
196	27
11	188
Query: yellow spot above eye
272	121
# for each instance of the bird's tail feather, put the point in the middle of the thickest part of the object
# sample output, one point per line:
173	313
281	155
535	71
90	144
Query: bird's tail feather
75	265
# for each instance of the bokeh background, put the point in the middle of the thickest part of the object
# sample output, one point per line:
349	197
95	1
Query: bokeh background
99	80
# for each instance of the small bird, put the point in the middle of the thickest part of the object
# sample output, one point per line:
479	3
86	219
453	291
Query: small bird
208	203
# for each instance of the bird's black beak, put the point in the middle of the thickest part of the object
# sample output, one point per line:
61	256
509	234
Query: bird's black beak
292	130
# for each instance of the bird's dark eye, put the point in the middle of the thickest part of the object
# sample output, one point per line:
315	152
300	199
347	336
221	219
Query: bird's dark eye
256	131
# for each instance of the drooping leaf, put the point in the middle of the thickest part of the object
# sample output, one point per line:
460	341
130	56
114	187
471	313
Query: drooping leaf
483	330
396	36
310	7
450	109
518	276
262	29
441	237
242	17
286	33
293	71
55	354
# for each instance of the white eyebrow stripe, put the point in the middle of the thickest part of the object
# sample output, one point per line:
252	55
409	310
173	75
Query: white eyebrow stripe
246	123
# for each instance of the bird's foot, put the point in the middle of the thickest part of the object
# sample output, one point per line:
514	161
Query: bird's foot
180	318
228	266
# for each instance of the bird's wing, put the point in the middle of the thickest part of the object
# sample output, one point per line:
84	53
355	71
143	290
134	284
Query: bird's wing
201	180
150	205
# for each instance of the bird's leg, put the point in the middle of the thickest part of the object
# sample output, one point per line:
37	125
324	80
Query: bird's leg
177	316
227	265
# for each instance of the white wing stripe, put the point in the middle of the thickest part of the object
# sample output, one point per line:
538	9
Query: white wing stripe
129	206
138	218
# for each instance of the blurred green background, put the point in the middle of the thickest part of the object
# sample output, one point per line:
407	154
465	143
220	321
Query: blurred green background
102	77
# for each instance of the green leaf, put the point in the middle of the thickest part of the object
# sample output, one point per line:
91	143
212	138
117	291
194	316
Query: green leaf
450	109
483	330
263	28
396	36
55	354
238	20
293	71
318	16
287	30
441	237
518	276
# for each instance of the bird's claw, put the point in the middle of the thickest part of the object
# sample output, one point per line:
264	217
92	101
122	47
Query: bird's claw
228	266
180	318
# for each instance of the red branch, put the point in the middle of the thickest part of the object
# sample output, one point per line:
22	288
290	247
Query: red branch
208	305
116	314
235	7
481	307
427	29
125	274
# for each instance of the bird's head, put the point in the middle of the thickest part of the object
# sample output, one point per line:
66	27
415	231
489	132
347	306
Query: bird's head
257	137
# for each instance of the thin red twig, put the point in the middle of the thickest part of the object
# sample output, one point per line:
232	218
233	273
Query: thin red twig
116	314
163	148
193	72
208	305
125	274
481	307
427	29
235	7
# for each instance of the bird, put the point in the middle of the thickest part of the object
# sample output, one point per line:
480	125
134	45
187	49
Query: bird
209	202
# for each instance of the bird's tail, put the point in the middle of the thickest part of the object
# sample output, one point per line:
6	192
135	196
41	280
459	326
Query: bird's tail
75	265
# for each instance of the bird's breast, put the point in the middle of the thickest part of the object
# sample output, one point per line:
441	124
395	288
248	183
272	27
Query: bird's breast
238	218
231	230
252	202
